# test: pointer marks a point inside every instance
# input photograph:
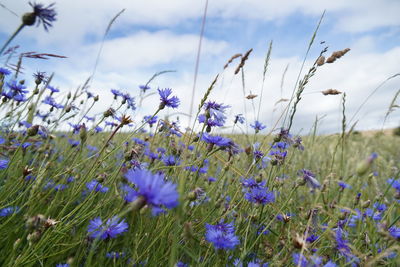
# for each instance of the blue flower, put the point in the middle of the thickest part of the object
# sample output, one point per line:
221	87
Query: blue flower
309	178
222	238
221	226
214	114
3	163
172	102
113	227
239	118
258	126
4	71
394	183
8	211
53	89
216	140
394	231
96	186
251	183
115	255
50	101
116	93
45	15
343	185
260	196
62	265
144	88
153	188
299	260
170	160
150	119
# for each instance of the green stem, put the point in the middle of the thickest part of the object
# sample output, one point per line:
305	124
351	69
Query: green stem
11	38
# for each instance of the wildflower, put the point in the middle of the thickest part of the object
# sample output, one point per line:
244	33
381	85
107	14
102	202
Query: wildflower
3	163
394	231
115	255
53	89
364	166
150	120
181	264
144	88
394	183
4	72
214	115
258	126
39	77
151	189
116	93
343	185
309	178
299	260
260	196
216	140
16	91
110	229
171	160
50	101
62	265
222	236
239	118
221	226
172	102
8	211
251	183
45	15
96	186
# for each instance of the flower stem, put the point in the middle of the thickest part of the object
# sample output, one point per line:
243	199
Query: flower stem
11	38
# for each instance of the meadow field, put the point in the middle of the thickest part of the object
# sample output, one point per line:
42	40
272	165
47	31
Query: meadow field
117	189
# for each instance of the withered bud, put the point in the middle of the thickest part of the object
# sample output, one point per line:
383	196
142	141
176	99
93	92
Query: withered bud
83	133
251	96
69	95
365	204
26	171
35	222
34	237
109	112
299	242
96	98
33	130
331	92
50	222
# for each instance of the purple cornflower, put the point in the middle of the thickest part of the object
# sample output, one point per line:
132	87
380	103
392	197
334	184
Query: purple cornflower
8	211
221	226
4	71
342	246
181	264
222	236
116	93
394	183
239	118
343	185
129	100
260	196
3	163
150	120
152	189
166	101
214	115
96	186
144	88
251	183
50	101
394	231
258	126
62	265
113	227
53	89
16	91
39	77
216	140
45	15
115	255
309	178
170	160
299	260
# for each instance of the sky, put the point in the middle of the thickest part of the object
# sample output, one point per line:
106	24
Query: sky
152	36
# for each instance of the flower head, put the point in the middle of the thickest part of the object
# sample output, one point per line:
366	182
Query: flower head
309	178
3	163
260	196
110	229
222	235
166	101
214	114
41	15
4	71
155	191
258	126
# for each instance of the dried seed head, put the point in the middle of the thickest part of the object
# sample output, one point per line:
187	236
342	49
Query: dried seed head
331	92
299	242
251	96
321	61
